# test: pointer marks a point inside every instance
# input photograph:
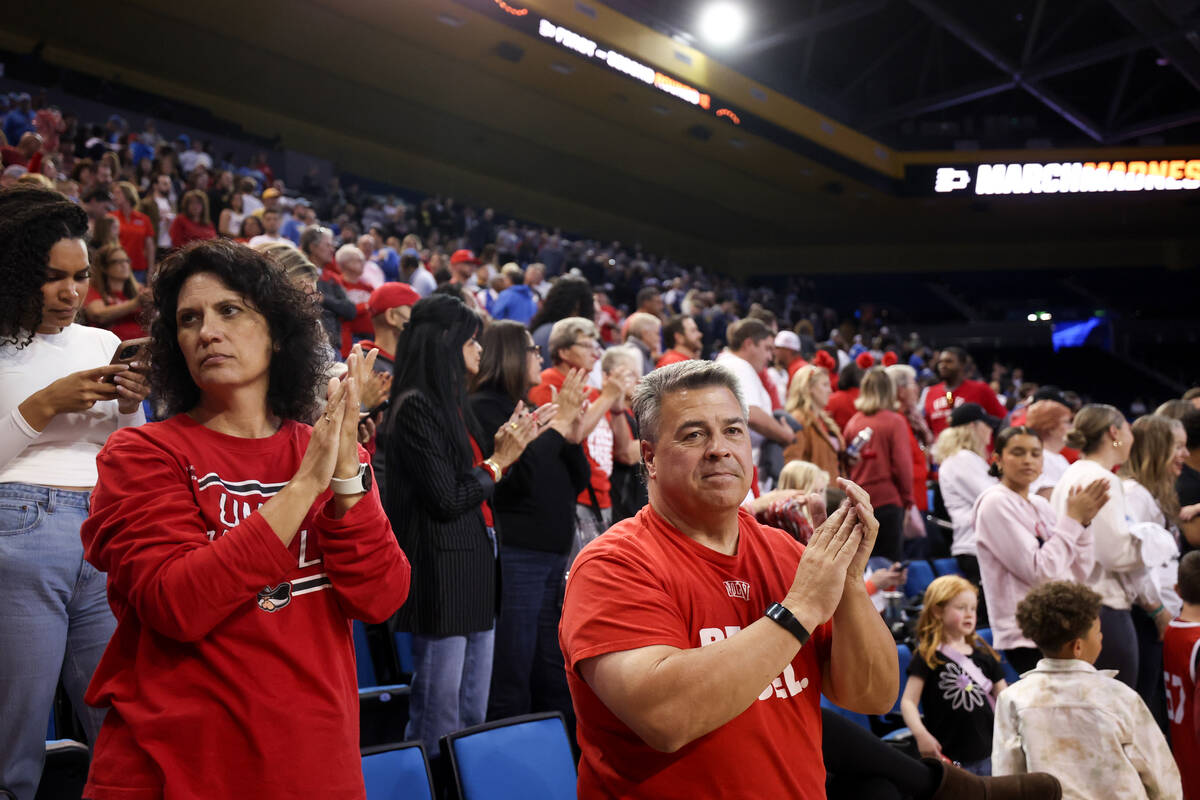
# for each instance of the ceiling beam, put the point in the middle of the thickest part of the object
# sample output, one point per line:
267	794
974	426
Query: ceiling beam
810	26
1152	126
937	102
1046	96
1155	23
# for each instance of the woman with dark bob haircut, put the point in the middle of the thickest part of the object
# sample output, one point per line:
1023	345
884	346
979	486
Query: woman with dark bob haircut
59	401
239	543
535	514
437	496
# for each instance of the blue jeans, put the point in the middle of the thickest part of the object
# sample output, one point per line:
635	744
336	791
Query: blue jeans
451	676
54	618
528	674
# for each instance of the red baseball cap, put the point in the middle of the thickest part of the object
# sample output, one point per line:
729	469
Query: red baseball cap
391	295
463	257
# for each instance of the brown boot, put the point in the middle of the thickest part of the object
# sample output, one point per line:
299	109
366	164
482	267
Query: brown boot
958	784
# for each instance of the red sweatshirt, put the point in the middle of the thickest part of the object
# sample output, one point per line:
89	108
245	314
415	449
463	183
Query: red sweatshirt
231	672
885	469
598	446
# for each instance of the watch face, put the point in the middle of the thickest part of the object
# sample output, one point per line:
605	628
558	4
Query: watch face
367	480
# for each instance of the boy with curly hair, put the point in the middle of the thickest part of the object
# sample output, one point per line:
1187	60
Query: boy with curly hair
1067	718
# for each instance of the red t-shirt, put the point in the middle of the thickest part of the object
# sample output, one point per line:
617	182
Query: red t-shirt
939	403
477	460
134	231
672	356
231	671
644	583
920	472
358	293
841	406
1181	644
126	327
795	367
184	231
599	444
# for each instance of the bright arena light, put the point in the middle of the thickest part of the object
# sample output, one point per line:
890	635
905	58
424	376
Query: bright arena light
722	23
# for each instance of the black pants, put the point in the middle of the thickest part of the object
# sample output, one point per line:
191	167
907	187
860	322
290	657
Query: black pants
969	567
862	766
890	541
1120	648
1023	659
1150	667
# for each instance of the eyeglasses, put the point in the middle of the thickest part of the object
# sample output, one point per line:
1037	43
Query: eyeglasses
533	348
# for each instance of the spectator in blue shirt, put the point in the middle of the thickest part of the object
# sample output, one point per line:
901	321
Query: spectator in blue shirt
519	302
19	121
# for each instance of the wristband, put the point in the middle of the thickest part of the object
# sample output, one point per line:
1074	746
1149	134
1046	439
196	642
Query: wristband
777	613
1155	612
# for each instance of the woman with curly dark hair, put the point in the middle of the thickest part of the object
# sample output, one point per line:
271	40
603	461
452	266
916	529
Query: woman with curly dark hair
59	401
239	544
440	481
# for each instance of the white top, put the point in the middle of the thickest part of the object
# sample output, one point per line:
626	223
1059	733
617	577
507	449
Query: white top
266	238
373	275
422	281
1160	549
1085	728
165	217
1053	467
753	392
963	477
1119	575
64	454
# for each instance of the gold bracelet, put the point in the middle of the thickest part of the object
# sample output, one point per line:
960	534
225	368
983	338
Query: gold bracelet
494	468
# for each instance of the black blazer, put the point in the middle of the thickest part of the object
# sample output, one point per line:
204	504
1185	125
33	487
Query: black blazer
535	502
434	510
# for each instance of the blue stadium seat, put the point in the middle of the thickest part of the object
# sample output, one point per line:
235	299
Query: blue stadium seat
853	716
946	566
920	575
520	758
397	772
1010	674
404	652
366	668
985	634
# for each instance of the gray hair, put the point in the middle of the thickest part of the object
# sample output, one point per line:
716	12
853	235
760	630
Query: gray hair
690	374
347	252
901	374
625	352
567	330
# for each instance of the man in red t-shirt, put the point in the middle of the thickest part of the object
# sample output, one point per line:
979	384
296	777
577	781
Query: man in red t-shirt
136	230
683	687
955	389
684	339
1181	654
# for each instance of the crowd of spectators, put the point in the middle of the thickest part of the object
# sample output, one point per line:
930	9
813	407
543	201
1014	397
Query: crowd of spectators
501	374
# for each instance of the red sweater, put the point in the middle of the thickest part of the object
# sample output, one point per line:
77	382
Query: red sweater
231	672
885	469
184	231
601	478
841	406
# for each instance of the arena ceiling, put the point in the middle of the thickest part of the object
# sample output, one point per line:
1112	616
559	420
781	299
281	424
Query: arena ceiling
481	100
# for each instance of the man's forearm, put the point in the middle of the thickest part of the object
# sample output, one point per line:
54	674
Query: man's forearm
671	697
773	429
863	671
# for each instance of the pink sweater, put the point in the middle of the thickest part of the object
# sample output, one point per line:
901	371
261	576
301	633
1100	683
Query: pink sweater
1022	544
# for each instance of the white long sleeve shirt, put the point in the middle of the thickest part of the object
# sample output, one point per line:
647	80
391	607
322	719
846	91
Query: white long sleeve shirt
1119	576
64	453
1085	728
963	477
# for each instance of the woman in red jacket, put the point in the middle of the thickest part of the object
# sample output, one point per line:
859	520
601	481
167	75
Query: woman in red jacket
193	223
884	466
239	543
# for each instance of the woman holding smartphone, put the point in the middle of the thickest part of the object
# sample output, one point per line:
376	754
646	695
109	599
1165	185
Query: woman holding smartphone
59	401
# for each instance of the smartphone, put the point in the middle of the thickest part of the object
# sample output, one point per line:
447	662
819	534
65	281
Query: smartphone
129	351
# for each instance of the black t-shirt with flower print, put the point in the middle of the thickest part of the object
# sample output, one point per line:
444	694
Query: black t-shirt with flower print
954	708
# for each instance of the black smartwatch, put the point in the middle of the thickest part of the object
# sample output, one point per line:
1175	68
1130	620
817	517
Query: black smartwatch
779	614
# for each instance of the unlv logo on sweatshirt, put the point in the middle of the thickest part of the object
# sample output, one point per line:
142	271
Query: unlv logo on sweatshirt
224	504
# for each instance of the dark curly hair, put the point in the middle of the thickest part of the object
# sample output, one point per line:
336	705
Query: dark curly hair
570	296
297	367
1056	613
32	220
